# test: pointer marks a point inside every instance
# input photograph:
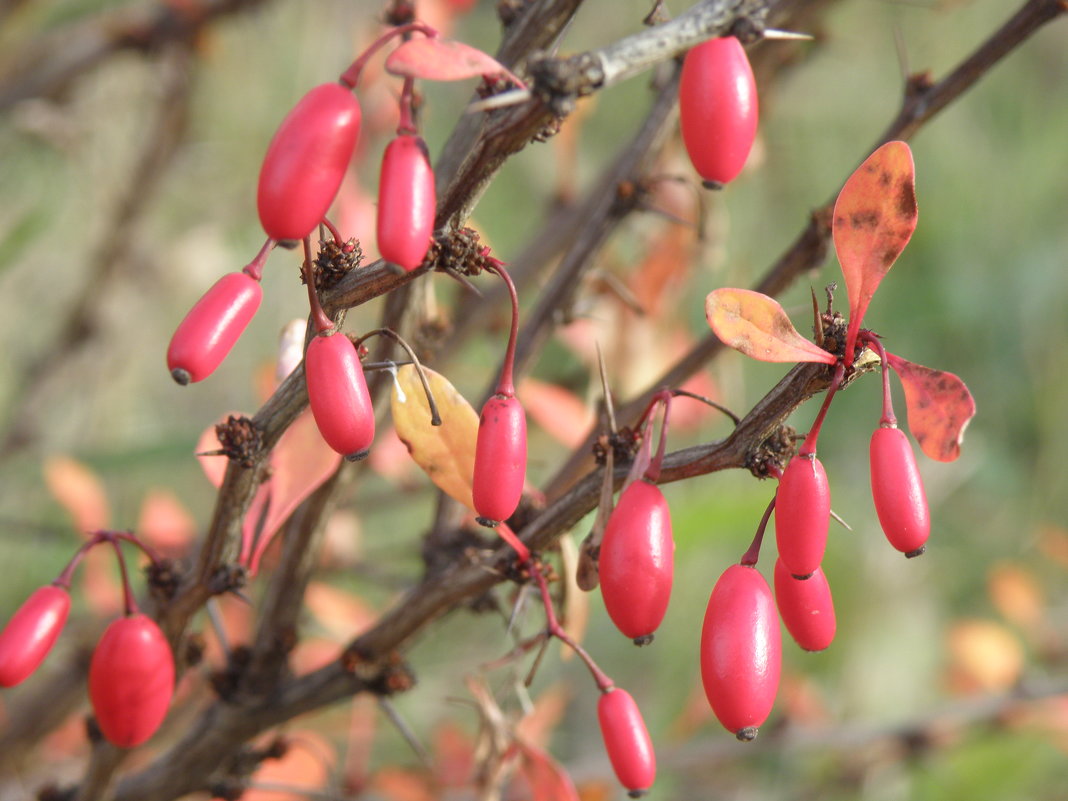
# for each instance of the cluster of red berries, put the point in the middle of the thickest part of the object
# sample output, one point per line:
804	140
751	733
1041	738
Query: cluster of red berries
131	674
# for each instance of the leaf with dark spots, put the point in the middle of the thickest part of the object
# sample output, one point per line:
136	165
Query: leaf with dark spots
939	407
756	325
873	220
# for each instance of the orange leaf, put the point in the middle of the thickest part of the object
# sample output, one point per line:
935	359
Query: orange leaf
300	464
341	613
165	524
446	452
547	780
756	325
874	218
939	407
307	763
78	490
562	414
984	657
443	60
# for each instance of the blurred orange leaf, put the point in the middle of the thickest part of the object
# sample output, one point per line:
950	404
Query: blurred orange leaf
1016	594
939	407
341	613
562	414
78	490
984	657
756	325
399	784
454	756
165	524
547	780
446	452
874	218
306	763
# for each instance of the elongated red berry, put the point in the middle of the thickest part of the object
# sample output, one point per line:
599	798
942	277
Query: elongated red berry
718	108
741	651
131	680
627	741
212	326
306	161
406	202
897	489
806	607
500	459
30	634
802	515
337	393
637	561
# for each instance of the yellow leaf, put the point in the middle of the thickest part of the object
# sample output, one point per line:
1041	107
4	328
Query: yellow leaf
446	452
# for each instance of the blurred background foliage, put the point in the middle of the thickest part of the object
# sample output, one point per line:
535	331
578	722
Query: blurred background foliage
982	291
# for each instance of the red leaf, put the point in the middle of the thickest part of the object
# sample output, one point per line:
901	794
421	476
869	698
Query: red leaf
939	407
874	218
442	60
757	326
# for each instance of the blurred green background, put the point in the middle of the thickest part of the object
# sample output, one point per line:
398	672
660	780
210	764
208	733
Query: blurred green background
982	291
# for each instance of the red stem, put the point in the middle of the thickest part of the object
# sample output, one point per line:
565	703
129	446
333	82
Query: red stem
520	547
319	319
604	683
254	269
752	556
128	602
506	387
334	232
406	125
351	76
809	446
889	419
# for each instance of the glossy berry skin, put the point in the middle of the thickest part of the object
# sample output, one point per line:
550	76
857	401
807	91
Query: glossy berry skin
806	607
637	561
500	459
802	515
30	634
627	741
718	108
131	680
212	326
337	393
406	202
897	489
741	650
306	160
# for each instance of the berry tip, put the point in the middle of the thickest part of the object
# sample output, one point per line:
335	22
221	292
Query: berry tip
485	521
637	793
645	639
181	376
359	456
715	186
746	735
918	552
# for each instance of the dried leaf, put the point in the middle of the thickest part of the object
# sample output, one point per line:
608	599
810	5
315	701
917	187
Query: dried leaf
939	407
446	452
874	218
306	764
78	490
434	59
984	657
575	615
756	325
1016	594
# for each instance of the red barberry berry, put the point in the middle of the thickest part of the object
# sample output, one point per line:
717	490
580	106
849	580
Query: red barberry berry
718	108
806	607
131	680
637	561
306	160
337	393
802	515
30	634
406	202
500	459
897	489
741	650
212	326
627	741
